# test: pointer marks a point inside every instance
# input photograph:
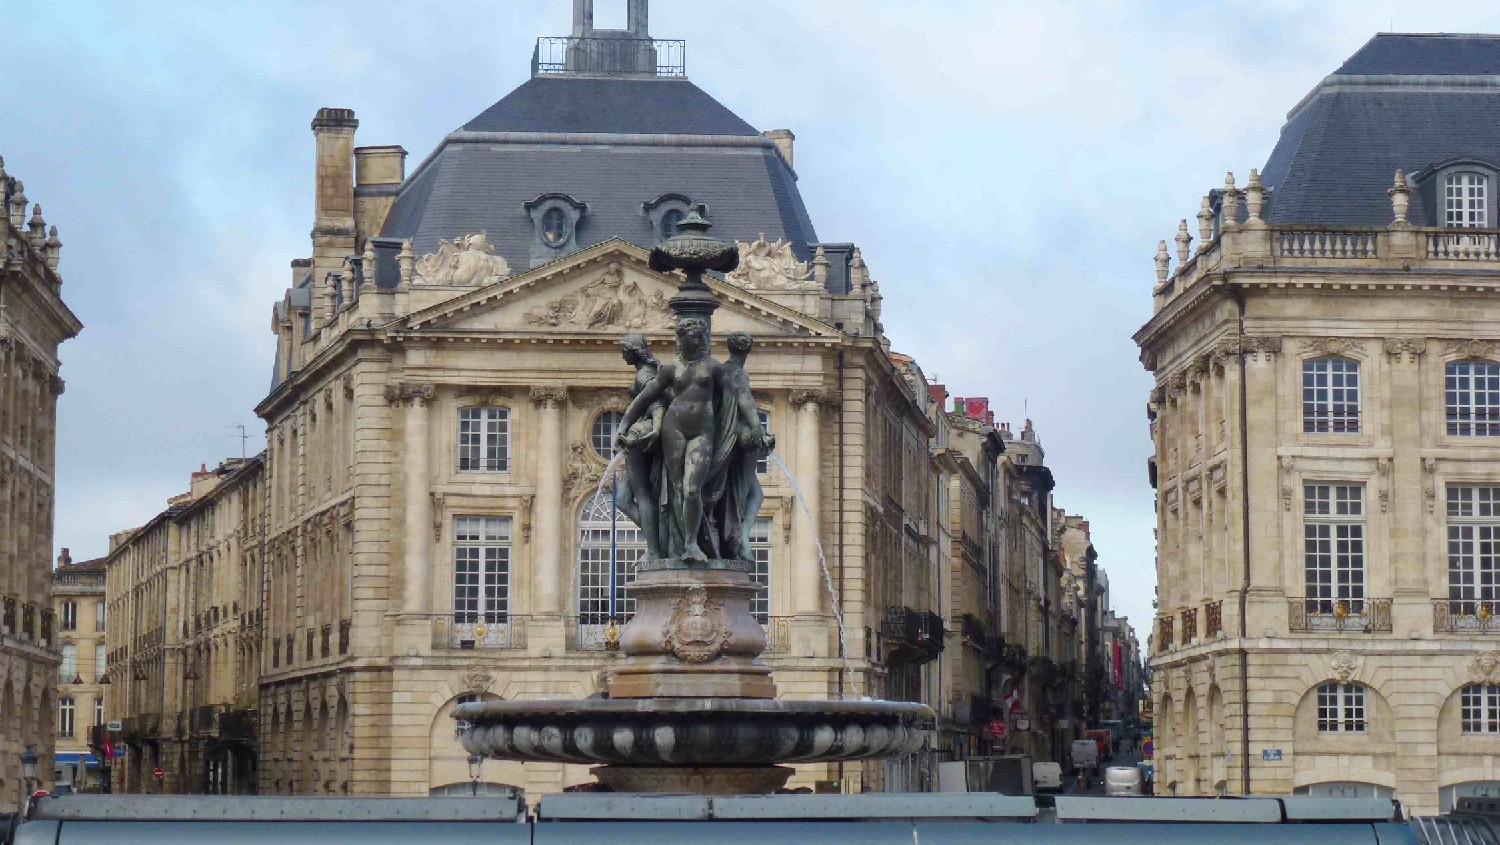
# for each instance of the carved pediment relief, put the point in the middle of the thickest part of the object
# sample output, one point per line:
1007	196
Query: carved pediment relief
770	266
1471	349
467	260
1339	346
610	301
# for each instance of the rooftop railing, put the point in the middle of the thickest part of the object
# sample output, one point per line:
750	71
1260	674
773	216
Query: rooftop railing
610	56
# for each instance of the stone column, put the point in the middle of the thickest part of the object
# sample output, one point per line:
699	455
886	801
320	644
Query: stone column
417	472
547	569
807	574
1401	485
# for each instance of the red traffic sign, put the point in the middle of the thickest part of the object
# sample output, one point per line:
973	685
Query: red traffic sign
158	773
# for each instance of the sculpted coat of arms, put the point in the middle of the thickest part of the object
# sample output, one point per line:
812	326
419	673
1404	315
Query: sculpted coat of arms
698	629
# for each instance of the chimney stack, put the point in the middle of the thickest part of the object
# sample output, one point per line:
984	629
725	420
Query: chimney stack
65	559
333	231
784	140
378	173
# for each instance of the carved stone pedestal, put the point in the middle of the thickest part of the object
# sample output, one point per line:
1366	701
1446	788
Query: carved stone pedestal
692	635
748	780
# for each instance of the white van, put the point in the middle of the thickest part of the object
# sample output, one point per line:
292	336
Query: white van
1122	780
1046	777
1085	754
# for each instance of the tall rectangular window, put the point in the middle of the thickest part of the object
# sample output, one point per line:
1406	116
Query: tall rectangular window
98	710
597	523
1341	708
763	464
69	668
70	615
481	569
99	660
1465	204
65	712
1330	396
484	440
760	549
1472	398
1473	547
1333	533
99	616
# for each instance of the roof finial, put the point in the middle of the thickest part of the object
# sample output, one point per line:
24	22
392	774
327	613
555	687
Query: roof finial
1231	206
1400	198
1205	222
1254	196
1184	240
1163	260
407	262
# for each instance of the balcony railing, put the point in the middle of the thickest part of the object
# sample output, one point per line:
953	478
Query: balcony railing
1466	616
205	720
778	634
1355	616
468	631
238	724
1164	627
1450	245
1325	243
610	56
1213	619
1189	626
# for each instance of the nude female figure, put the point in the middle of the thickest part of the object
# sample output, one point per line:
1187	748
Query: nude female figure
639	496
689	386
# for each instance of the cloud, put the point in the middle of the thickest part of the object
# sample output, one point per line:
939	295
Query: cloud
1008	168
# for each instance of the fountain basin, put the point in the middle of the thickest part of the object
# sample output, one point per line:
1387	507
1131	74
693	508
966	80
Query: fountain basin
692	732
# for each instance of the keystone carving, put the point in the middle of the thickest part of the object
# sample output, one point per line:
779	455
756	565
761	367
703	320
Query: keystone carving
468	260
475	680
770	266
608	302
1344	665
1484	667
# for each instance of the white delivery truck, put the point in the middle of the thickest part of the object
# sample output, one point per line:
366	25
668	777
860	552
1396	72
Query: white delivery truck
1085	755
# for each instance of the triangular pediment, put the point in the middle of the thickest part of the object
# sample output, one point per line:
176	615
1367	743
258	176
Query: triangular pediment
603	291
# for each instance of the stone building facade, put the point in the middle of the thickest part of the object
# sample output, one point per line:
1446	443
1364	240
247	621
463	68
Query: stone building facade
79	609
183	647
1326	442
33	323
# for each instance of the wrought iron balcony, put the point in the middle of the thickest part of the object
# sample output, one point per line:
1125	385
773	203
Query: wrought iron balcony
238	724
205	720
1353	616
1189	625
1164	627
1213	619
1466	616
609	56
473	631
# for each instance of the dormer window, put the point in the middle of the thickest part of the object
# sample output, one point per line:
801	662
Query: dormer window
665	212
555	227
1466	199
556	218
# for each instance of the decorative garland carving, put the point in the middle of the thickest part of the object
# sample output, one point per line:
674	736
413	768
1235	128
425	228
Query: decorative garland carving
1471	349
1429	482
1383	469
1339	346
583	471
1287	488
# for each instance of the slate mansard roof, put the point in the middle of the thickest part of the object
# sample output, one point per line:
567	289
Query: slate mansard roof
614	143
1413	102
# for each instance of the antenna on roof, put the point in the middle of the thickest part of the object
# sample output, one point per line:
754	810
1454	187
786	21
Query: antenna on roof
244	437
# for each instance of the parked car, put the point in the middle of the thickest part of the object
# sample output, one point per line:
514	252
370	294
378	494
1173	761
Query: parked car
1122	780
1046	777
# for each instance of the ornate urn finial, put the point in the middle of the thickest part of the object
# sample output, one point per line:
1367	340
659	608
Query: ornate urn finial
694	252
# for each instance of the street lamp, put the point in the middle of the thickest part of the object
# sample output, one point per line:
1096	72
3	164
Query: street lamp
475	762
28	773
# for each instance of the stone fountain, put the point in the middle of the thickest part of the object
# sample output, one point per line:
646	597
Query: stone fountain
691	706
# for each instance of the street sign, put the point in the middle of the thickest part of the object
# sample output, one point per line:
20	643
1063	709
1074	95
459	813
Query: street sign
996	728
114	726
158	773
1270	755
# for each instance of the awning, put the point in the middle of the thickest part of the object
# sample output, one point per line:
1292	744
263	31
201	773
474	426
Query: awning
67	758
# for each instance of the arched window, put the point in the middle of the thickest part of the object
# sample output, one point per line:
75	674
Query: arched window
594	529
602	435
1341	708
1472	398
1465	199
1480	709
483	439
1330	396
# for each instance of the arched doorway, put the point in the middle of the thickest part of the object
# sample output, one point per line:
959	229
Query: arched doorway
448	762
1190	749
1448	796
1217	765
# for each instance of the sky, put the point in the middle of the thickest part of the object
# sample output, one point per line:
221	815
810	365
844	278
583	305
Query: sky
1006	167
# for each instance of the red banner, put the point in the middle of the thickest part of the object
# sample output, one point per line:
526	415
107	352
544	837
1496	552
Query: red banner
1119	674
